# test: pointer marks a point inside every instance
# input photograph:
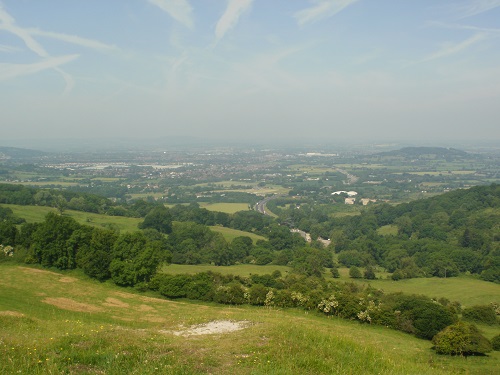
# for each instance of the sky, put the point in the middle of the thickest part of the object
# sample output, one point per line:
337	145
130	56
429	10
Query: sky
250	69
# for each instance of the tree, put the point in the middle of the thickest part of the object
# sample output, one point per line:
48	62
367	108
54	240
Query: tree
158	218
95	258
461	338
355	273
369	273
335	272
49	241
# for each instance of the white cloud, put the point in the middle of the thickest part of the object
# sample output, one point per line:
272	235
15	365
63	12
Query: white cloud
8	23
8	49
475	7
455	48
322	9
73	39
180	10
490	31
235	8
9	71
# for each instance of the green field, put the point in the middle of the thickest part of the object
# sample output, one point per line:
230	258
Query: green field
230	234
466	290
244	270
229	208
388	230
52	323
34	214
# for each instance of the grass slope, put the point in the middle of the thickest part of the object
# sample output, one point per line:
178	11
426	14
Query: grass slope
64	323
230	234
35	214
244	270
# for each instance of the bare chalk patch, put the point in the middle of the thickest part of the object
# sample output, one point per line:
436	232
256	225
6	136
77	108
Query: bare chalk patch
11	313
212	328
69	304
114	302
37	271
67	279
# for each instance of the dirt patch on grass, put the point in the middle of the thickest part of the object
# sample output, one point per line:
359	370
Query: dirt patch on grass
113	302
125	295
153	319
211	328
11	313
69	304
145	308
37	271
67	279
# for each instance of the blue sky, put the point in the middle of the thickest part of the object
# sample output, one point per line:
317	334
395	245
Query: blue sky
246	69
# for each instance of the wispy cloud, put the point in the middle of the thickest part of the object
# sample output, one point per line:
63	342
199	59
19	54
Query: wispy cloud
8	49
235	8
452	49
27	35
491	31
321	9
180	10
73	39
474	7
9	71
8	23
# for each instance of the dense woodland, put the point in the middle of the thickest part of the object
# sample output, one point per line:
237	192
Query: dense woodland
442	236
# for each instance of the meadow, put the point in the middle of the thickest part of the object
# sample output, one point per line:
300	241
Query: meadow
55	323
36	214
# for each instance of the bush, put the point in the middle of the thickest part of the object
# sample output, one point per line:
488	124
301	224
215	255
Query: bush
461	338
422	316
355	273
495	343
335	272
369	273
480	314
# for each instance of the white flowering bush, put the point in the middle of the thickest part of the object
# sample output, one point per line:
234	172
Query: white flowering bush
299	299
269	302
329	305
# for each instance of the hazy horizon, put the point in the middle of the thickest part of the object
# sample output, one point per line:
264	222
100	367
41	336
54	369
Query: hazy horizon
250	70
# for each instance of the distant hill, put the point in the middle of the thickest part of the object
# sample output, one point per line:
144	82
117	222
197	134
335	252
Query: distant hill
19	153
427	153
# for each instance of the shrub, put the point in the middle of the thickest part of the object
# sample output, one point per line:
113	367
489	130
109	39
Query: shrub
232	294
355	273
369	273
397	275
495	343
421	315
480	314
257	294
461	338
335	272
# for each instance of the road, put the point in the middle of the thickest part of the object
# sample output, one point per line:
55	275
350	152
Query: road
261	205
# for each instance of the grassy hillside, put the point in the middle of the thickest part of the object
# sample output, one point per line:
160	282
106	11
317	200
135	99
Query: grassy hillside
34	214
229	208
244	270
467	290
230	234
64	323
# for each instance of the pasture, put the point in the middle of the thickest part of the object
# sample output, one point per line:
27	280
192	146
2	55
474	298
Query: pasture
230	234
54	323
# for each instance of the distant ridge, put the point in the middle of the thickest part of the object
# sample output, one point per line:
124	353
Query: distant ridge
19	153
426	152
